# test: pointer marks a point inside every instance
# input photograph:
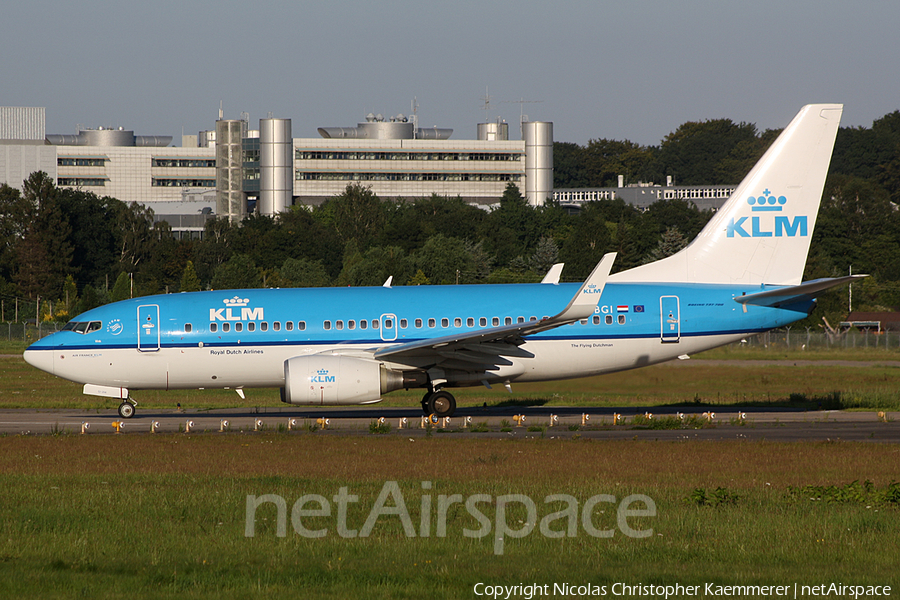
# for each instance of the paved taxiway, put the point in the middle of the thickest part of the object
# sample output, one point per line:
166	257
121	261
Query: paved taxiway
773	425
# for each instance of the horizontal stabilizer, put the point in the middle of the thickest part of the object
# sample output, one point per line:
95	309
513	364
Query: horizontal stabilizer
794	294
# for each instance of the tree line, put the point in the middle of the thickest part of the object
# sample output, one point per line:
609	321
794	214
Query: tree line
76	250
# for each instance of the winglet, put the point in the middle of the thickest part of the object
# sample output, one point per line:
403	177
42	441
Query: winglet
553	274
585	301
388	282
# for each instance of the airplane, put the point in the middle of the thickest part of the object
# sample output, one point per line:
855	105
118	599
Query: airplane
740	276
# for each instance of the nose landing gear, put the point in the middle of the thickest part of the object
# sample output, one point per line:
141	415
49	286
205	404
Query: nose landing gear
127	408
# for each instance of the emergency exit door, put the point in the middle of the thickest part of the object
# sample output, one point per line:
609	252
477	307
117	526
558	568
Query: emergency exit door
148	328
670	319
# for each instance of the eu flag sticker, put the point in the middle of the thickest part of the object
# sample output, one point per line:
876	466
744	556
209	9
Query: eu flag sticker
638	308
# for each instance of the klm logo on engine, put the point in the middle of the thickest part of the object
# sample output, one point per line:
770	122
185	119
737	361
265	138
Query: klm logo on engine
236	310
322	376
765	225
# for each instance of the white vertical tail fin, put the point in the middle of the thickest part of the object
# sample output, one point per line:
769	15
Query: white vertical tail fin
762	233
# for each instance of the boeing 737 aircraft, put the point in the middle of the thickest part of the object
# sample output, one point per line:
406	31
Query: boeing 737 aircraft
330	346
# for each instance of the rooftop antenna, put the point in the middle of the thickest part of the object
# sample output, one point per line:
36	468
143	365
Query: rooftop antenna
414	106
522	116
486	100
221	112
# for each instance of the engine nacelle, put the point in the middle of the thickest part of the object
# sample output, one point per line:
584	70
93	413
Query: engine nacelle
333	379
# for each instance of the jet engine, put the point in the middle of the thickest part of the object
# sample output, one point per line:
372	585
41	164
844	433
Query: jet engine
322	379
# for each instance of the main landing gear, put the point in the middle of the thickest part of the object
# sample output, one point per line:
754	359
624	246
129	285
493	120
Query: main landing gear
439	403
126	409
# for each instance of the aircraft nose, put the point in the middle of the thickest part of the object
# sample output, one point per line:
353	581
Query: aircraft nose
41	359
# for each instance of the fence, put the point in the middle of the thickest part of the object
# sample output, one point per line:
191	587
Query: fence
808	339
27	331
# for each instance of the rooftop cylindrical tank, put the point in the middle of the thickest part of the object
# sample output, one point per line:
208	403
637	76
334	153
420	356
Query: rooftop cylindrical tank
538	138
376	128
276	165
493	131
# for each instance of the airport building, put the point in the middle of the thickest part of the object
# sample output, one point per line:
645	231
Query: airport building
233	170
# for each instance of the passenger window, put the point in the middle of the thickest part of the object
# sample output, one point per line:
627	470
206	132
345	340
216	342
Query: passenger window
495	321
213	327
338	324
276	326
621	319
431	322
482	322
608	319
301	325
404	323
351	324
596	319
457	322
263	326
520	319
238	326
327	325
389	323
363	324
470	322
532	318
251	326
507	321
445	322
583	321
418	323
226	327
374	323
187	327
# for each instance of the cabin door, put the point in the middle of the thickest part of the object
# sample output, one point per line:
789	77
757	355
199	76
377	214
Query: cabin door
148	328
670	319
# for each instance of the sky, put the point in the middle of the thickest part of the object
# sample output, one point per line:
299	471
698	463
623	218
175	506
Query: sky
631	70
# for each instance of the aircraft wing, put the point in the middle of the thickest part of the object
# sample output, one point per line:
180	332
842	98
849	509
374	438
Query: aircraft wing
794	294
487	348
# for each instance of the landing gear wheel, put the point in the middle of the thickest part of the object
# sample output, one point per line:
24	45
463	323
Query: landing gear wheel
425	400
126	410
441	404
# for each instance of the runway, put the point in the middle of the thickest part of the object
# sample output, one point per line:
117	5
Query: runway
539	422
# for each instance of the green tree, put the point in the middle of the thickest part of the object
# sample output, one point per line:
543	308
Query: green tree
444	260
122	290
189	280
239	272
712	152
671	242
357	214
545	255
303	272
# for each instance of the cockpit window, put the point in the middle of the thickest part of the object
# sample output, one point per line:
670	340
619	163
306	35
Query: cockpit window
83	326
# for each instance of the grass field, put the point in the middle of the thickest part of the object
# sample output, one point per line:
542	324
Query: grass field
166	516
148	517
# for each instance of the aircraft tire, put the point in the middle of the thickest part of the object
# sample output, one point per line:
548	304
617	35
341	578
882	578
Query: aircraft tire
126	410
441	404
